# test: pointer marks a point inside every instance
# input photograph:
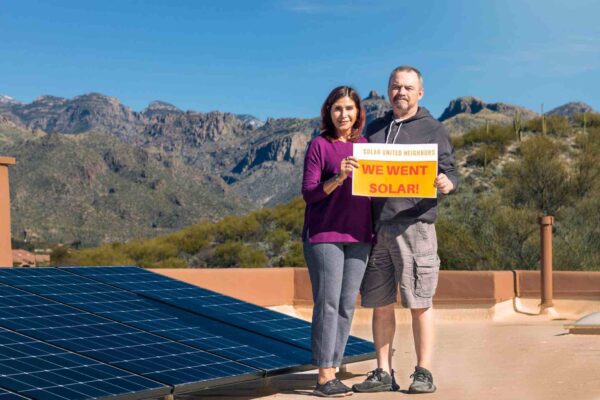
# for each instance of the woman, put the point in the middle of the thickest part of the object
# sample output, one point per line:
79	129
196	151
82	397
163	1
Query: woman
337	232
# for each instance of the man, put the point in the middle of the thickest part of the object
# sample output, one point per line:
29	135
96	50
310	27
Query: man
405	254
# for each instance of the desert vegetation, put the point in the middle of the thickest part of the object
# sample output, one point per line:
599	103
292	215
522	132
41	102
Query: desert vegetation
510	177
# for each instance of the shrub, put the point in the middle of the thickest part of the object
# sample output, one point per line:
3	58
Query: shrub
457	247
168	263
592	120
238	228
150	251
457	141
103	255
538	178
484	155
60	255
586	167
277	239
291	216
294	256
514	233
192	239
236	254
498	135
577	238
555	125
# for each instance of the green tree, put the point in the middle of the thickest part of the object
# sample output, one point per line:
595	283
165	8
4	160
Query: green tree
586	166
577	235
556	125
236	254
496	135
238	228
484	155
60	255
514	232
589	120
277	239
294	257
539	178
457	247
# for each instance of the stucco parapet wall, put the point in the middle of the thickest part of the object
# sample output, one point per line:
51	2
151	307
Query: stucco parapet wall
6	259
262	286
566	284
291	286
454	287
464	287
7	160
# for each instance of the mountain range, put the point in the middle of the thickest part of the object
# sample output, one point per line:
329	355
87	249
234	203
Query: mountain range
91	170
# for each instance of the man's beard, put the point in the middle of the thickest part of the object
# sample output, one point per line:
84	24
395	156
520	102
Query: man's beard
399	104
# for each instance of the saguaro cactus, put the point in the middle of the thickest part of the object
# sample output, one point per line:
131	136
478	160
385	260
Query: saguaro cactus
485	162
544	128
517	126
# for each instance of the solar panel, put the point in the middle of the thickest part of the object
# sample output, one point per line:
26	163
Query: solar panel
6	395
184	367
143	313
42	371
217	306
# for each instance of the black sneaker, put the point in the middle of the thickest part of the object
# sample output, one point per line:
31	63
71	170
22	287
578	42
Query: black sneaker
422	382
377	381
342	386
332	388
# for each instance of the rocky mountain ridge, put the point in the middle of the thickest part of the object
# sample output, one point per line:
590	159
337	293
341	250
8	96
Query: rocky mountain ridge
8	100
135	174
570	109
473	105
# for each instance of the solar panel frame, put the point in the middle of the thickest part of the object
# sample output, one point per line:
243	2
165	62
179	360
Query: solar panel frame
79	331
25	361
8	395
219	307
143	313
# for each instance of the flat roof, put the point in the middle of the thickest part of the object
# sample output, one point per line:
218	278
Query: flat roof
516	356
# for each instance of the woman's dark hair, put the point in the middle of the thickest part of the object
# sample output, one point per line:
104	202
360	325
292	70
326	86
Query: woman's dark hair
327	126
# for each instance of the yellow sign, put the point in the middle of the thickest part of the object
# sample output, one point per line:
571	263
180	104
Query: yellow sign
395	170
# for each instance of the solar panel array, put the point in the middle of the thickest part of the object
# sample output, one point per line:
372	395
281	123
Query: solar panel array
214	305
127	333
39	370
6	395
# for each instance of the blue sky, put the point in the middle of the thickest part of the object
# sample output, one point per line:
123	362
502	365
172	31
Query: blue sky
280	58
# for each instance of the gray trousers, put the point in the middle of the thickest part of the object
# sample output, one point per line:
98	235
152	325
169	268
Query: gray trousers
336	272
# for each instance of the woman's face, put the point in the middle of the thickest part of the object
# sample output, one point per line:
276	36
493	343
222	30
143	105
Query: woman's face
343	114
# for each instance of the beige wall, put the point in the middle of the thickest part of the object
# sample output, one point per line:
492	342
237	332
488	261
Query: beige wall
5	247
261	286
291	286
566	284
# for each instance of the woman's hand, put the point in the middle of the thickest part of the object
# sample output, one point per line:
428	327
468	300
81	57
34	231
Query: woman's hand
347	166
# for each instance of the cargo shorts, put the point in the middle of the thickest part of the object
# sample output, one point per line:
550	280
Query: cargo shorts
405	255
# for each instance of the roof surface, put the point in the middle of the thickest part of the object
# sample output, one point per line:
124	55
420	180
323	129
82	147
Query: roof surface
516	357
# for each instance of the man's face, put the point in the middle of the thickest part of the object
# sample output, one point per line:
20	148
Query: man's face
404	92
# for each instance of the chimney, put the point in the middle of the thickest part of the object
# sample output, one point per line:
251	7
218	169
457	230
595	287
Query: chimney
6	259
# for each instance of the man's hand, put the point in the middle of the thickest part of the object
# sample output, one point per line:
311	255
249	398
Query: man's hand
443	184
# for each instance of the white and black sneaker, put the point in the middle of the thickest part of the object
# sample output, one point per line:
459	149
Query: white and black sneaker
422	381
377	380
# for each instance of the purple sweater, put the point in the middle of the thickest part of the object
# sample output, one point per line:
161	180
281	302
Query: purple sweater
339	216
